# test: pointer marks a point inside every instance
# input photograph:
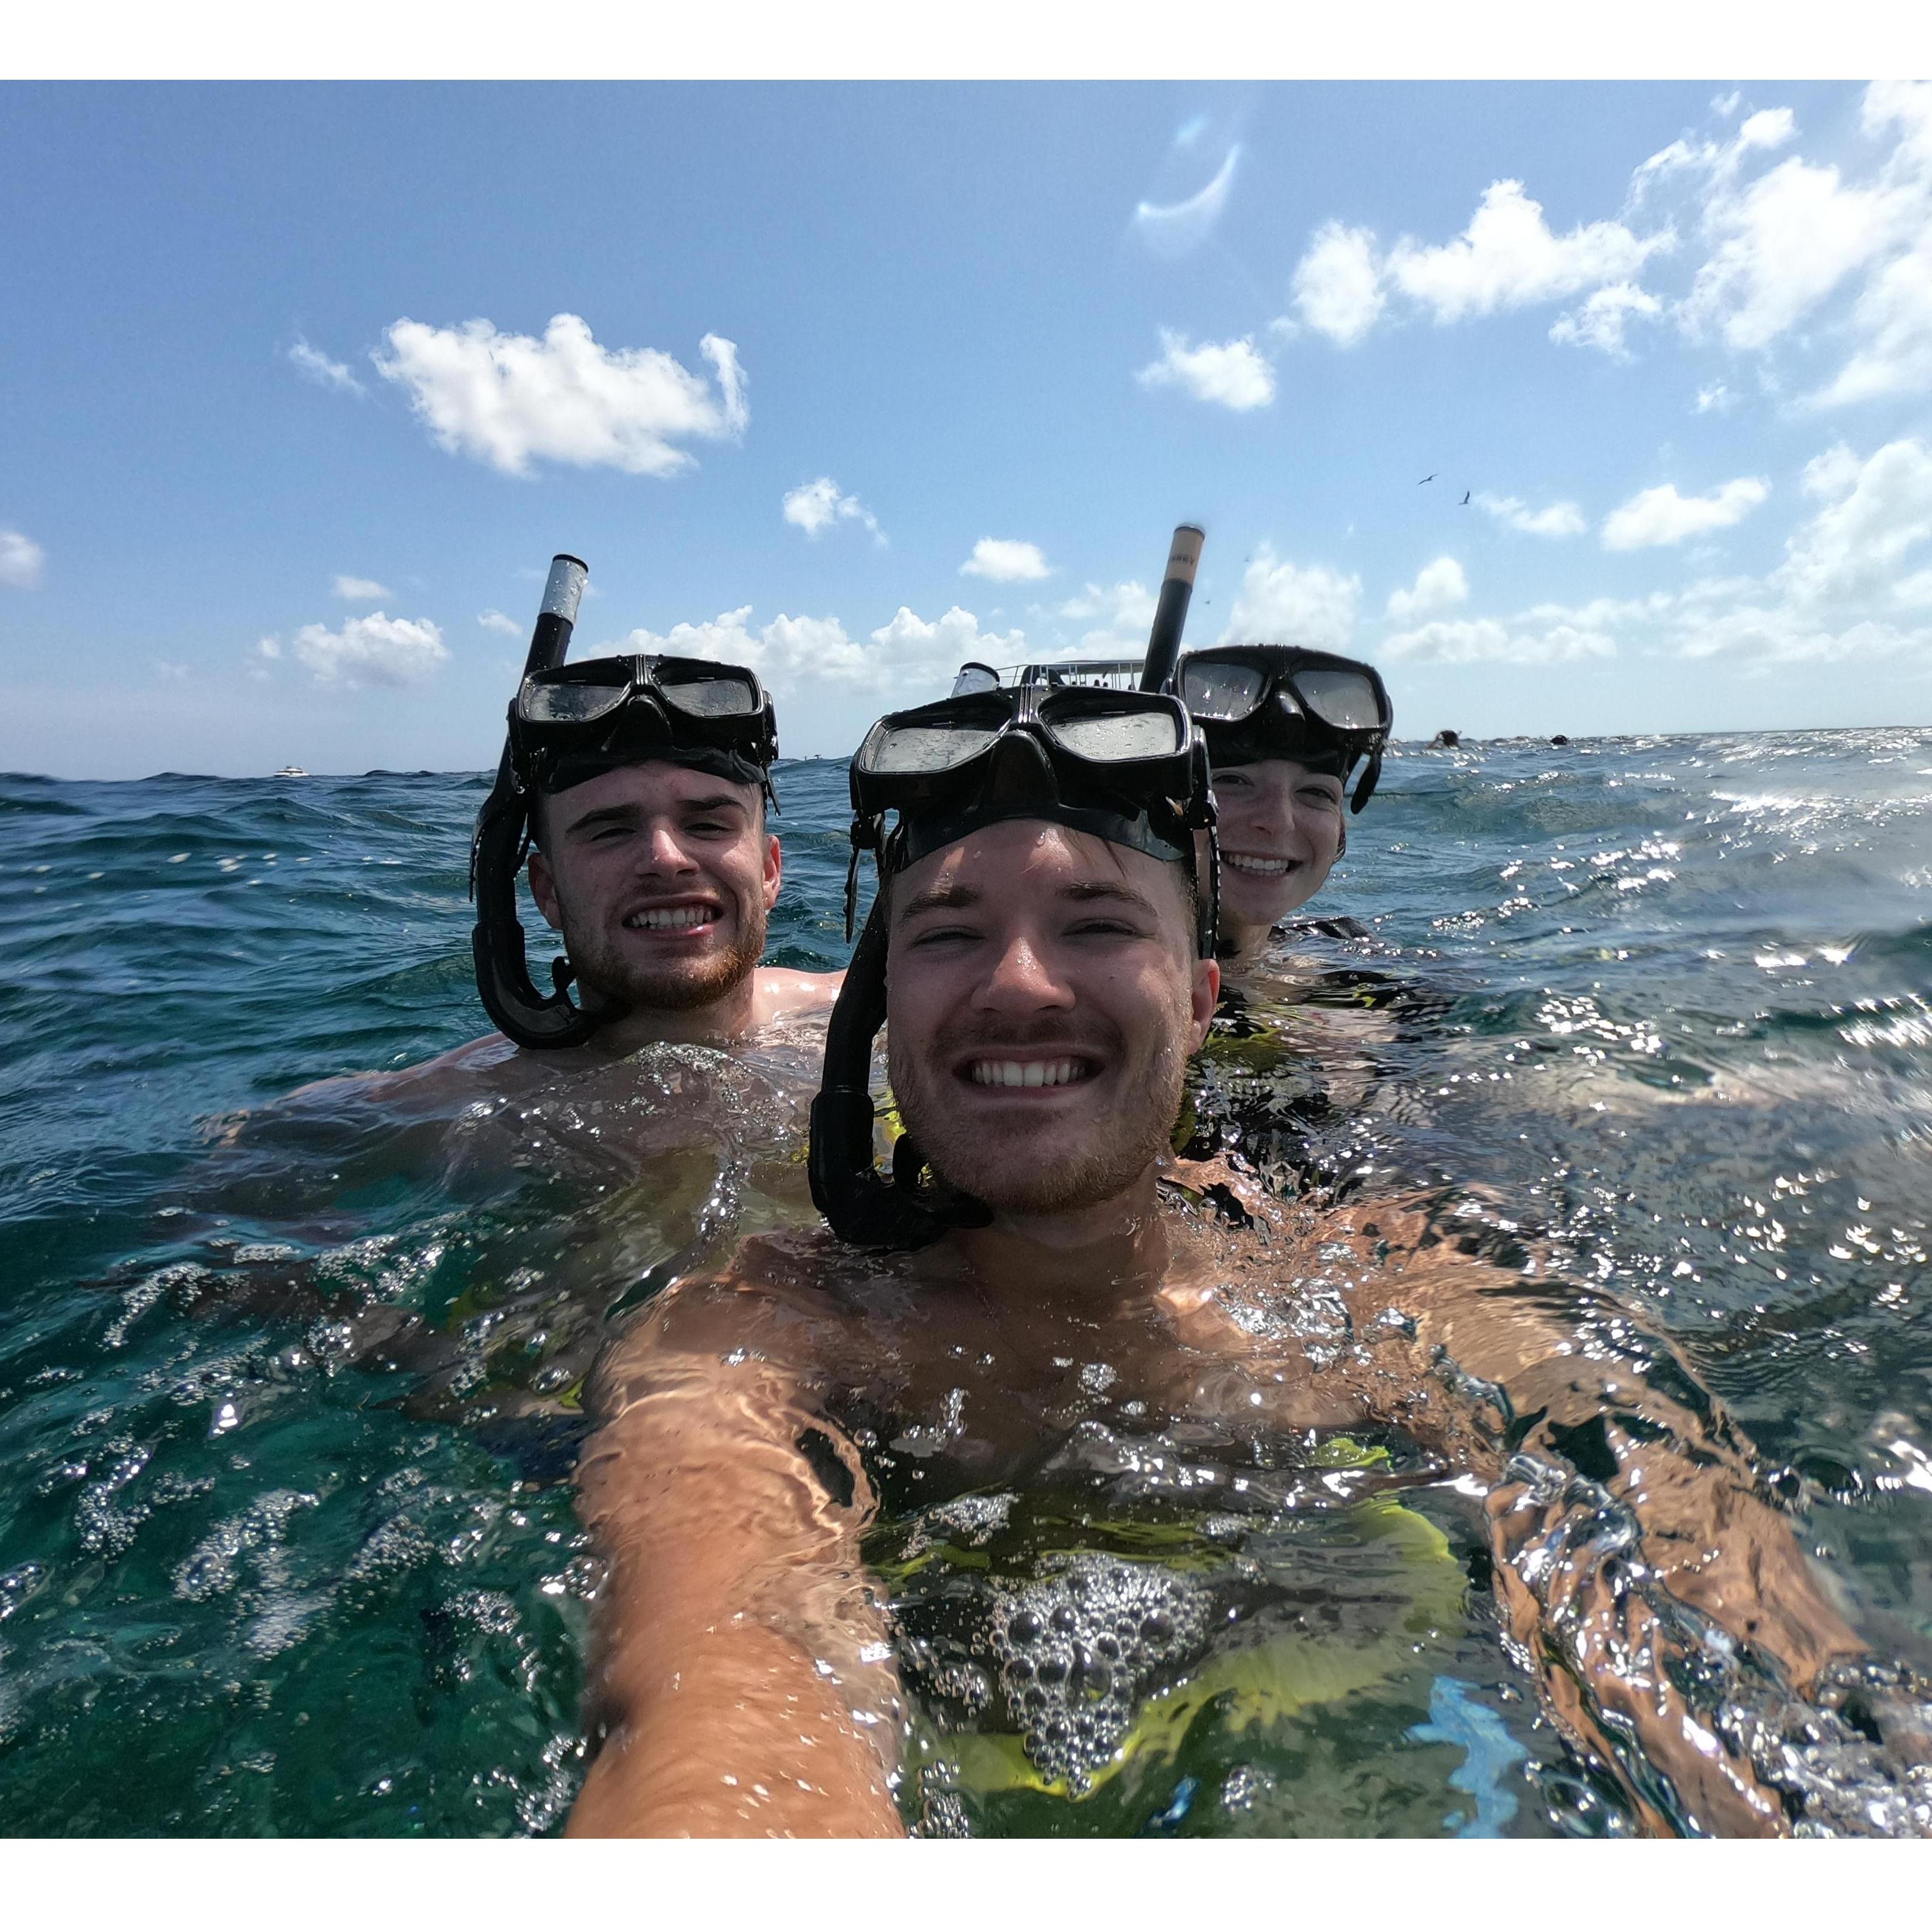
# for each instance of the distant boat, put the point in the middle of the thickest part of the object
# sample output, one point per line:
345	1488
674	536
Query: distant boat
292	771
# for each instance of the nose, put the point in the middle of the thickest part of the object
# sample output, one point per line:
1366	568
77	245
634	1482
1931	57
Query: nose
662	854
1262	810
1023	979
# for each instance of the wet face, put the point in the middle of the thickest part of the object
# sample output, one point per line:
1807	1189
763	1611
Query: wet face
660	879
1281	829
1043	998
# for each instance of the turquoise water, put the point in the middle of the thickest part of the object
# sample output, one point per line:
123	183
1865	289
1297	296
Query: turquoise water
287	1392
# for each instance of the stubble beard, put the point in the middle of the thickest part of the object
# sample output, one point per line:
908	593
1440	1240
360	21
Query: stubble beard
619	983
1112	1153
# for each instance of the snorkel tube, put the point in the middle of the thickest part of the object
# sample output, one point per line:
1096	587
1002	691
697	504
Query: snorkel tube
496	854
1170	615
913	1208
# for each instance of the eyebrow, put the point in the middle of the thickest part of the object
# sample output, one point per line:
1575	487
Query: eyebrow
938	899
958	898
630	815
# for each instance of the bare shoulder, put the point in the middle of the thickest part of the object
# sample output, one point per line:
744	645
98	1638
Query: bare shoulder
782	990
448	1074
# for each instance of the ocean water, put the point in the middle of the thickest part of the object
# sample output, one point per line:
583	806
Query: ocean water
288	1387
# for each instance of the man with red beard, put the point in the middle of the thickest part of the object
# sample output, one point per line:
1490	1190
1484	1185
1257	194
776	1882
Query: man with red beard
643	784
1041	1305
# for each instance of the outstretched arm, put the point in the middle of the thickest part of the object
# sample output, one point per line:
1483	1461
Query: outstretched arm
745	1681
1663	1596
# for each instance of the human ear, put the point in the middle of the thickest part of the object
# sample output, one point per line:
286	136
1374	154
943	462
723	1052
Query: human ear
774	875
1204	996
543	890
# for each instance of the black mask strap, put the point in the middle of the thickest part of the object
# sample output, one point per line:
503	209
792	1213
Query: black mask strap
1366	789
860	1205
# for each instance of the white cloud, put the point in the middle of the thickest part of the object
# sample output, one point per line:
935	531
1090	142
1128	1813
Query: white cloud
1714	396
917	651
1338	283
1440	586
1598	321
1179	228
507	400
1718	161
1463	640
21	560
1005	560
1283	603
1781	245
1235	374
815	507
322	369
1855	584
1894	315
908	657
1508	257
390	651
1875	512
360	589
1661	516
1118	619
1555	520
268	647
495	620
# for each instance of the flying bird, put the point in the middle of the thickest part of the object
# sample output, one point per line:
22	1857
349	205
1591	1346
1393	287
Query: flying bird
1430	478
1465	498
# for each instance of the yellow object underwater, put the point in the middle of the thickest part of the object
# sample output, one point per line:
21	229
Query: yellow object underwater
1231	1690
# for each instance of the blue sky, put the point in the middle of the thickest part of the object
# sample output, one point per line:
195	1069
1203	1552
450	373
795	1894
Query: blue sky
301	385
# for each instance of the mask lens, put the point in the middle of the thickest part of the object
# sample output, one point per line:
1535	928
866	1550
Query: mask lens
974	678
923	747
1115	737
1221	692
570	700
713	696
1345	701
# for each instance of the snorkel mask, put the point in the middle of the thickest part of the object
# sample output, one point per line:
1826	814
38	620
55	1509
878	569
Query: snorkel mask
569	723
1128	767
1257	701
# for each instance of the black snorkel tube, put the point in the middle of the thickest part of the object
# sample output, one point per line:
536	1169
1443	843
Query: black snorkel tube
496	854
1170	614
912	1209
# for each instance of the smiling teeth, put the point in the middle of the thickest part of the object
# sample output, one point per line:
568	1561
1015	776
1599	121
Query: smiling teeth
1027	1072
1243	863
664	919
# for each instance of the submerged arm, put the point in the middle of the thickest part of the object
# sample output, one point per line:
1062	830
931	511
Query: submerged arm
1659	1591
745	1678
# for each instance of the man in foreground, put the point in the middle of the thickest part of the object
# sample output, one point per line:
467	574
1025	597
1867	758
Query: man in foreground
1045	976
